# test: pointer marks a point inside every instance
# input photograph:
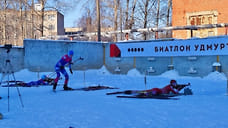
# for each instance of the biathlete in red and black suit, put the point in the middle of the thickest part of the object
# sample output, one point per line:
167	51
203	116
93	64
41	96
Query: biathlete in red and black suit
60	68
173	87
165	90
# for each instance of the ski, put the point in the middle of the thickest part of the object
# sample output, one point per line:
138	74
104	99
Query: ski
112	93
149	97
23	85
92	88
11	81
120	92
73	89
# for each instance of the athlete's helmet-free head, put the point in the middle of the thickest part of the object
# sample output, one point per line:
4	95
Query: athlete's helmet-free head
71	53
173	82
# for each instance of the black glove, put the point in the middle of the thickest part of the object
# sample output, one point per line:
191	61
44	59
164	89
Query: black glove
61	67
71	71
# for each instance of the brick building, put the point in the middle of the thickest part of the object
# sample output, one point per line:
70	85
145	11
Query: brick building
199	12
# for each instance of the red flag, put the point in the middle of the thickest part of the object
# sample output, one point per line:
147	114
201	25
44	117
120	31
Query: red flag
114	51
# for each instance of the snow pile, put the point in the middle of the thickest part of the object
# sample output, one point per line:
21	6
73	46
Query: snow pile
133	72
172	74
216	76
102	71
216	64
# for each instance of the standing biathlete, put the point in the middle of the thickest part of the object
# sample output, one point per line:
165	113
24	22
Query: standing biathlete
60	68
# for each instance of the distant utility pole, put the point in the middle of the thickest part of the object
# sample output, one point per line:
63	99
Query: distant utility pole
98	21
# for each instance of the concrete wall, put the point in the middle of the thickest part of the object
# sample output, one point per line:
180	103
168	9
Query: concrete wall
42	55
16	57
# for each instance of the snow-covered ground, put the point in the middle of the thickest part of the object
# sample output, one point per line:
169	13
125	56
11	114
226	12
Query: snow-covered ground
207	108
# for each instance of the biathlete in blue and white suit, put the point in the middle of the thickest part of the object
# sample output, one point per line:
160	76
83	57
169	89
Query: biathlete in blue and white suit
60	68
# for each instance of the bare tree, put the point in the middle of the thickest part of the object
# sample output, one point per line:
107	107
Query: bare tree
157	18
168	16
98	21
126	15
4	26
117	3
132	14
43	2
145	17
20	20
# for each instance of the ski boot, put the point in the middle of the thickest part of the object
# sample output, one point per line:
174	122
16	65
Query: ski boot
65	87
54	86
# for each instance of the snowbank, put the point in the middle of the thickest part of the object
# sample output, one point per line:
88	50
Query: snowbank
133	72
215	76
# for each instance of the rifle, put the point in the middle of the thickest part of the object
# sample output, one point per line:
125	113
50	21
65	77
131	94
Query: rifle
181	86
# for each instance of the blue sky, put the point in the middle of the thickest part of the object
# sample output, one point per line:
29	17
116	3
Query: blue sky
70	17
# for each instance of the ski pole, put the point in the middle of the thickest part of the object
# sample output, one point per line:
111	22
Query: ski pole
80	58
8	96
8	99
145	80
20	97
84	78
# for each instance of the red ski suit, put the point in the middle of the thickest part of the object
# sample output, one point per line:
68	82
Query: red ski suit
165	90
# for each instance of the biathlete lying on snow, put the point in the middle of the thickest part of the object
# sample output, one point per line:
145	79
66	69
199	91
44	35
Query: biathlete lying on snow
173	87
43	81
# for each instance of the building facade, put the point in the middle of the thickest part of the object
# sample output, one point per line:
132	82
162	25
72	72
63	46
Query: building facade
16	25
53	23
199	12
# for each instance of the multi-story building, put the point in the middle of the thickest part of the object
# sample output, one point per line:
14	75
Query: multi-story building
199	12
16	25
53	23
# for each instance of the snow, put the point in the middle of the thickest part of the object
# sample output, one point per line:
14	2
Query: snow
43	108
216	64
133	72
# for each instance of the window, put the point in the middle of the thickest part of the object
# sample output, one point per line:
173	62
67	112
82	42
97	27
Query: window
51	17
198	20
211	33
209	20
51	27
192	20
203	20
